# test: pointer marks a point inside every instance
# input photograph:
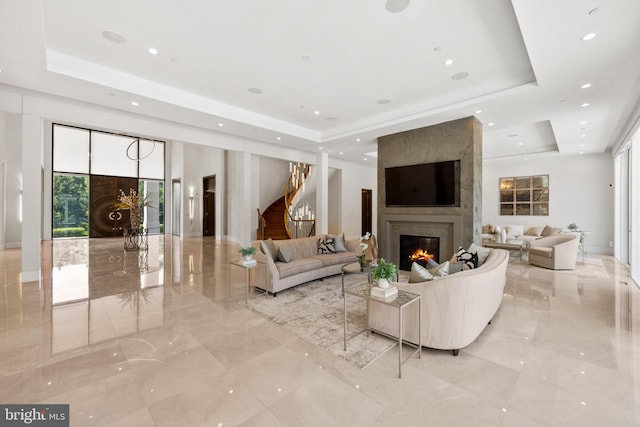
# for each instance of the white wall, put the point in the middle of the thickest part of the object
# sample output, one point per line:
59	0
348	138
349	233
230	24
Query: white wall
13	180
580	191
355	177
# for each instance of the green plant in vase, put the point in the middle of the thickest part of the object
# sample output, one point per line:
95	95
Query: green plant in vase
383	272
248	252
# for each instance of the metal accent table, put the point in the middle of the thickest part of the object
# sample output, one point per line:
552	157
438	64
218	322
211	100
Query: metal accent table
400	301
248	269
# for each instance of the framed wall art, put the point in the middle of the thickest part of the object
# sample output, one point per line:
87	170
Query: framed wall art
524	195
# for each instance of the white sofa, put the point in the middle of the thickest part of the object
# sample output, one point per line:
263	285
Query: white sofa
306	264
517	234
455	308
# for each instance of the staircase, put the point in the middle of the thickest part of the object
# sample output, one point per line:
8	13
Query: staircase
273	221
277	222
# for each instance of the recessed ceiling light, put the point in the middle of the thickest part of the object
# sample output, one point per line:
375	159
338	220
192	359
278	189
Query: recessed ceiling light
255	90
491	124
448	61
582	152
396	6
153	51
357	139
319	148
521	143
113	37
589	36
365	158
384	101
220	124
585	86
586	104
316	112
583	135
460	76
134	103
581	145
526	158
278	138
478	111
341	153
584	122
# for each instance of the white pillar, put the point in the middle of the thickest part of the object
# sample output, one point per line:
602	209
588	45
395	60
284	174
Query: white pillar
32	140
245	201
322	194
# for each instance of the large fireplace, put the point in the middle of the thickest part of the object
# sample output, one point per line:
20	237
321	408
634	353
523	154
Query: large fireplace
418	249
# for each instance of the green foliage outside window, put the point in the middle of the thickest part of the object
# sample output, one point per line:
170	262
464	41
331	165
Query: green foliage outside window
70	206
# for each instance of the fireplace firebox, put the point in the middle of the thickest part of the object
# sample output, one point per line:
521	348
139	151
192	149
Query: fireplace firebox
418	249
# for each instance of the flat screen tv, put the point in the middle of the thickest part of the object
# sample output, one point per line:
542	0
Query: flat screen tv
429	184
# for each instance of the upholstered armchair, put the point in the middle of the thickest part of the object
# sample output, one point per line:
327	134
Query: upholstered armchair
555	252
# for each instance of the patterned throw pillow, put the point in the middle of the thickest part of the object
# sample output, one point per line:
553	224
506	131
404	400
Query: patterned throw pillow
470	260
326	245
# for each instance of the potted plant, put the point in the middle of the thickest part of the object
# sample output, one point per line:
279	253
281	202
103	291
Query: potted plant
383	272
248	252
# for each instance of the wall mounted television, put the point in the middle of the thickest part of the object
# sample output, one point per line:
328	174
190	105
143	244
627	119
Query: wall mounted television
429	184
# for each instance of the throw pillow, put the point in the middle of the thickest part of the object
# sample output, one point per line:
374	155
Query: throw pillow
486	229
469	259
269	249
284	255
456	267
515	230
326	245
533	231
550	231
431	263
481	251
492	229
419	274
339	243
441	270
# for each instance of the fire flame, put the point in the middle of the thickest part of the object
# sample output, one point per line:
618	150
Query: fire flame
421	255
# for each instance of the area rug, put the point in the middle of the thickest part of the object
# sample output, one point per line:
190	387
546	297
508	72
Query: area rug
314	312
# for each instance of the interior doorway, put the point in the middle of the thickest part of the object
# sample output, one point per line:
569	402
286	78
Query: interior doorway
367	211
209	205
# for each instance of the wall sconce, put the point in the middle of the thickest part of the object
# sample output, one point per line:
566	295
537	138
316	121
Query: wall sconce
191	205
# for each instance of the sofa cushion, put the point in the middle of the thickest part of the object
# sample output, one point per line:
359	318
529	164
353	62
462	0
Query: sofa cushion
337	258
326	245
297	266
339	243
441	270
550	231
469	259
534	231
515	230
486	229
455	267
269	249
541	252
481	251
284	255
419	274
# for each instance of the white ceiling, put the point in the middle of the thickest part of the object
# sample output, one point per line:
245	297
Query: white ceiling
526	62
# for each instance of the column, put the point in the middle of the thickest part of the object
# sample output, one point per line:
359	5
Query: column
322	194
31	196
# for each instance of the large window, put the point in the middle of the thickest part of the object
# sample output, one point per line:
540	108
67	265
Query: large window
79	154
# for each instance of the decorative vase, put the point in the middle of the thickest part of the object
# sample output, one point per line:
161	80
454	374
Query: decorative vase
248	257
383	283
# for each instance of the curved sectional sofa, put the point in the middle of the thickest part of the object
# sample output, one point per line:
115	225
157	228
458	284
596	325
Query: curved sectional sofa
305	263
455	308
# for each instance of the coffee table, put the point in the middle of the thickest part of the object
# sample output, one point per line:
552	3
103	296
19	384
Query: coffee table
399	302
513	245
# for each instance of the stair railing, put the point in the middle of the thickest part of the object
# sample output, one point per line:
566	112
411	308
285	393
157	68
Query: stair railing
299	222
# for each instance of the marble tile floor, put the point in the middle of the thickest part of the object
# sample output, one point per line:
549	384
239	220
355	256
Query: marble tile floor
160	338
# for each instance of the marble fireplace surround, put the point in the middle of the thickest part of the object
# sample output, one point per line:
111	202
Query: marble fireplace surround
447	227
